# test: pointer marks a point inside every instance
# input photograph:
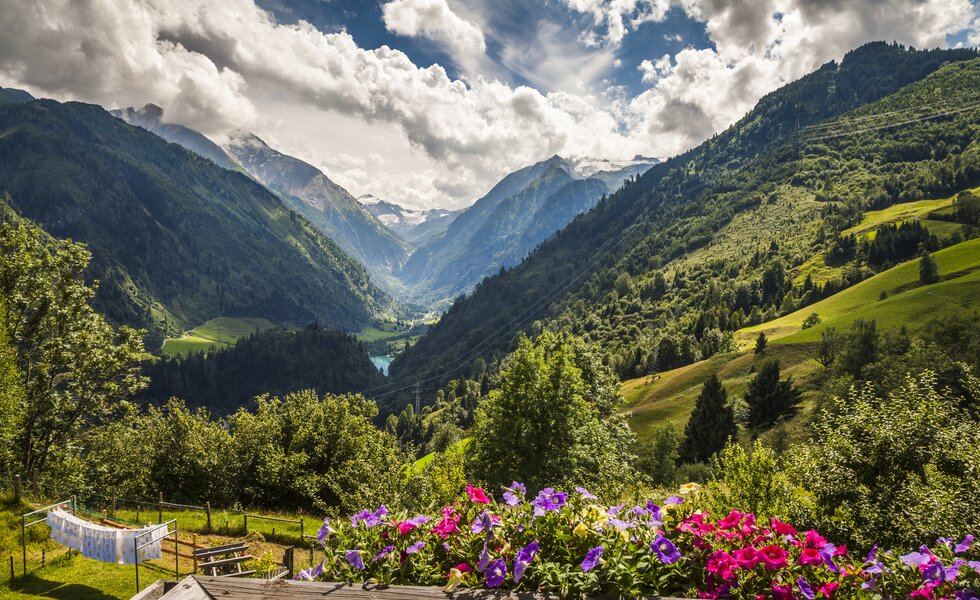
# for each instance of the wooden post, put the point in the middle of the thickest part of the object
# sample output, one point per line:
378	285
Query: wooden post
18	492
160	508
245	521
193	548
207	509
138	508
301	536
287	558
37	487
311	554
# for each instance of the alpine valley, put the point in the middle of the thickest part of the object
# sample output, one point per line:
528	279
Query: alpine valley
780	323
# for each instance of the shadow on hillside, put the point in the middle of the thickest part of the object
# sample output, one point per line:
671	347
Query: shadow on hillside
36	586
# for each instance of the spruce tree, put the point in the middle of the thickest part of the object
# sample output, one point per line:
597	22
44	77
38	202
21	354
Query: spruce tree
928	269
768	397
760	343
710	425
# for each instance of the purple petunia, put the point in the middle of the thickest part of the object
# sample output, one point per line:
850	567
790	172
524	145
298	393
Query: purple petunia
673	501
354	559
915	559
585	493
324	530
964	545
368	518
548	500
496	573
512	499
384	552
805	590
827	553
592	558
484	560
525	556
619	524
415	547
317	570
666	551
655	513
483	523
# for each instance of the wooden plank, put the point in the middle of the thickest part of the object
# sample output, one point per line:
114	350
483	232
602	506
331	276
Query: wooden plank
226	549
280	589
186	589
225	561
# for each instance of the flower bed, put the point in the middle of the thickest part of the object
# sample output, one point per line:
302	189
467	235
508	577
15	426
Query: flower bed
570	544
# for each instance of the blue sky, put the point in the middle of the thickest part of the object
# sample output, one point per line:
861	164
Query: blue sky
431	102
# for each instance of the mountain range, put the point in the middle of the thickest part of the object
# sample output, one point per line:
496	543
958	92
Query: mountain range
175	239
415	226
426	257
524	209
727	233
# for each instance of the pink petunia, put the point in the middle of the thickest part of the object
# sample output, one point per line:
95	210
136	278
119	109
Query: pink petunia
747	557
773	557
782	528
477	495
811	556
815	540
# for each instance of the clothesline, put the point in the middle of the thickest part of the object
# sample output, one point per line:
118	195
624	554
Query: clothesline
105	544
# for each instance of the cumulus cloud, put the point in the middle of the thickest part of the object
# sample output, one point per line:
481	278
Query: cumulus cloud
217	66
759	45
436	21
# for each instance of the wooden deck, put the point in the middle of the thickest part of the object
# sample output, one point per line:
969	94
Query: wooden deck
199	587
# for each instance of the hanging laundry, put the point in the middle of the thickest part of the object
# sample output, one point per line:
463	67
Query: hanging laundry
105	543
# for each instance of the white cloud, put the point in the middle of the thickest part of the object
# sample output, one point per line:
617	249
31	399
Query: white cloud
378	123
436	21
760	45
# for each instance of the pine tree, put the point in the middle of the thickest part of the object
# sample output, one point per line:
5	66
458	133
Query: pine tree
760	343
928	269
710	425
768	397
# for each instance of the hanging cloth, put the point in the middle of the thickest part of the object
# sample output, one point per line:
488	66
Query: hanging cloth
105	544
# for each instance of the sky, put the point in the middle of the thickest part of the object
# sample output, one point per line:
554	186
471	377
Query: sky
428	103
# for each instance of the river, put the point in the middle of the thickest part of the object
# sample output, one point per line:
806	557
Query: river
382	362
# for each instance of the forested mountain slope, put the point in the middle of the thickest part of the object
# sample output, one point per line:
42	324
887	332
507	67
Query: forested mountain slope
327	205
176	240
662	272
150	118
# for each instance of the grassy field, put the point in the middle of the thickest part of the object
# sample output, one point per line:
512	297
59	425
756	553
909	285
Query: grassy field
669	397
906	303
818	269
216	333
373	334
899	213
72	577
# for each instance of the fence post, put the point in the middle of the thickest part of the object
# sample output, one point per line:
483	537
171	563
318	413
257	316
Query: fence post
160	508
37	487
193	549
207	509
301	536
138	507
289	558
18	492
245	521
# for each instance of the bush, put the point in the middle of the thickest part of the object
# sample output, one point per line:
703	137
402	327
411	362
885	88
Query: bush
898	470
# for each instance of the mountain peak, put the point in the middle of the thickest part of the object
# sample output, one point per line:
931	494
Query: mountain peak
152	111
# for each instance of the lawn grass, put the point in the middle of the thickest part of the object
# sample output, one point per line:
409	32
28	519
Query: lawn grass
215	334
900	284
74	576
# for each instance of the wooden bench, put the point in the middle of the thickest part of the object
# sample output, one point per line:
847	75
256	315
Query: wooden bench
210	560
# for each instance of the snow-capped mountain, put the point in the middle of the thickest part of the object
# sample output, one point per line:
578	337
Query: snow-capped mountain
413	225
